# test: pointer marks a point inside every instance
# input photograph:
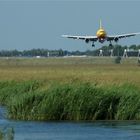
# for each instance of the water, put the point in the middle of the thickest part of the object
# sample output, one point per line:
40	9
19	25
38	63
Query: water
98	130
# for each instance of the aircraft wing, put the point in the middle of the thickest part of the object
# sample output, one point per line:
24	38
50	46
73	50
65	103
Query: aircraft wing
121	36
90	38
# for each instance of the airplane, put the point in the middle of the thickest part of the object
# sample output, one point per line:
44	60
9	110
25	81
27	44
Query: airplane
101	36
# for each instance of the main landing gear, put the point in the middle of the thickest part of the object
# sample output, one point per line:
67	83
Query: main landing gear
110	45
93	45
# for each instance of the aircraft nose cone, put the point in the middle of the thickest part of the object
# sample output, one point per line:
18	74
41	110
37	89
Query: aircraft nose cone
101	33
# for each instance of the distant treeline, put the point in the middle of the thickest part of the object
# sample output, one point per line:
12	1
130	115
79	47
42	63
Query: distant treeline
117	50
32	53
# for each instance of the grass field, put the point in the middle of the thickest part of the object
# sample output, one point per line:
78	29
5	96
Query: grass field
89	88
92	69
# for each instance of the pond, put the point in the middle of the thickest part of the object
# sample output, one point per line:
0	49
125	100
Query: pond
70	130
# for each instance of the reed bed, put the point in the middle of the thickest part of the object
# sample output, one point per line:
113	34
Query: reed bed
70	101
1	135
7	134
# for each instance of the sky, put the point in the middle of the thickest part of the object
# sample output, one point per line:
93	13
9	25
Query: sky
28	24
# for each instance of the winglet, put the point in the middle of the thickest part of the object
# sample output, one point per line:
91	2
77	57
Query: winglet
100	24
64	35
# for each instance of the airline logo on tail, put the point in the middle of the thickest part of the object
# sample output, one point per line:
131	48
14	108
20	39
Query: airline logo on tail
101	33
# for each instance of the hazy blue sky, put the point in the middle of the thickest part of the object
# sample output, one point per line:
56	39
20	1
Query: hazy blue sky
40	24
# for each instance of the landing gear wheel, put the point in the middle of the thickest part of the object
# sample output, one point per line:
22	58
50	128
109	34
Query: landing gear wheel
93	44
110	45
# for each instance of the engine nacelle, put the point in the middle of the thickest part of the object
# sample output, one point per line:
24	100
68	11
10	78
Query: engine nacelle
116	39
87	40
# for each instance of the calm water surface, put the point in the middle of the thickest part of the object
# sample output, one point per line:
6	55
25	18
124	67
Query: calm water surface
98	130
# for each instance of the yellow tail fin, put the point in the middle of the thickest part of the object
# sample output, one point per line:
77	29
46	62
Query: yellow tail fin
100	24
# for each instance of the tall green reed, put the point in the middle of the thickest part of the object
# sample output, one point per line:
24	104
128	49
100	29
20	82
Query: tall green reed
70	101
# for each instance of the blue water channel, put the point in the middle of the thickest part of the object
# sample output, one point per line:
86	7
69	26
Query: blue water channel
98	130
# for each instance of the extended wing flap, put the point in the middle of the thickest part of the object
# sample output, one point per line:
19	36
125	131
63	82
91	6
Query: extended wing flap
73	37
91	38
122	36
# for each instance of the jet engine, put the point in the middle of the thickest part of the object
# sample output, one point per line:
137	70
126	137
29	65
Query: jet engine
87	40
116	39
